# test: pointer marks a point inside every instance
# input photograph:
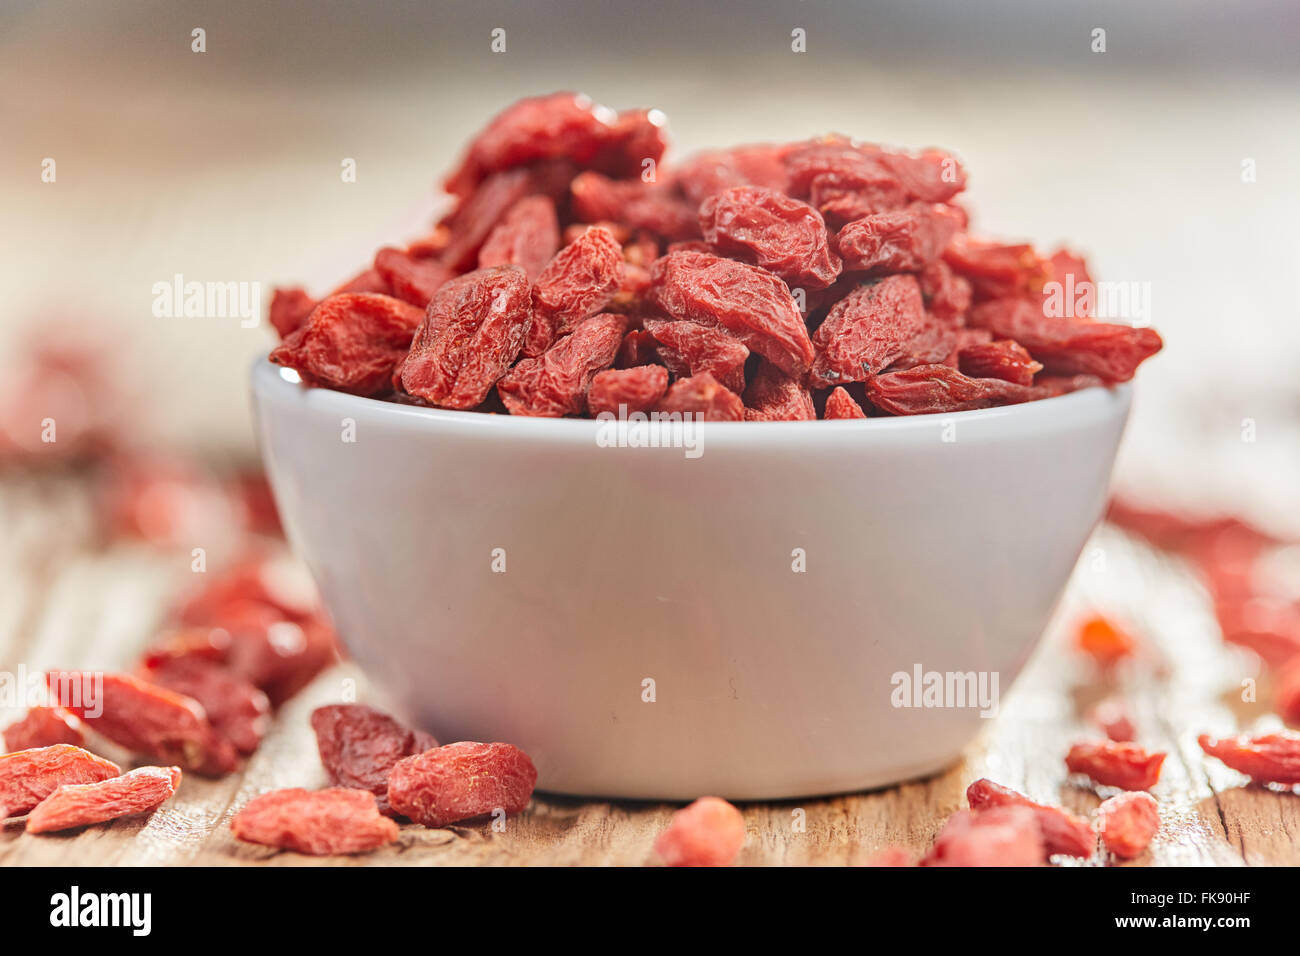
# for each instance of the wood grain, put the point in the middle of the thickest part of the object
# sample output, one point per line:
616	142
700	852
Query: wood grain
68	602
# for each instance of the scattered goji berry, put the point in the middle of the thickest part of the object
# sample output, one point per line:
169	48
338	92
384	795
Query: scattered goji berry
556	383
82	804
43	727
1103	640
870	328
238	711
1116	764
623	391
351	342
708	832
1286	691
749	303
460	781
689	348
145	719
1002	359
474	330
704	396
1062	831
359	745
1267	626
1000	836
939	388
1112	716
29	776
769	229
1127	822
840	404
527	236
577	283
1270	757
319	822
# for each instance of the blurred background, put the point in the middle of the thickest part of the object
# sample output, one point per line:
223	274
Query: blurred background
1170	158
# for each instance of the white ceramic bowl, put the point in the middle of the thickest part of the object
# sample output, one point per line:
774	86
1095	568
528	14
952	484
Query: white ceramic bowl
936	541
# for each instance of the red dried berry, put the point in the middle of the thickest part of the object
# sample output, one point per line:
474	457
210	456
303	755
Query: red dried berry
752	305
1001	836
1127	822
620	392
840	404
844	181
461	781
359	745
1066	346
649	207
1271	757
527	236
78	805
474	331
1104	641
410	279
704	174
351	342
1112	716
289	309
1286	691
320	822
576	284
704	397
29	776
145	719
771	230
906	240
556	384
238	711
947	295
938	388
689	348
775	397
996	269
43	727
1115	764
868	329
1002	359
938	343
708	832
634	137
1268	627
930	176
368	281
638	348
1062	832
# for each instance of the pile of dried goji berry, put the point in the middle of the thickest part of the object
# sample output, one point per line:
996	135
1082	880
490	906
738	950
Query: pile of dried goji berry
578	274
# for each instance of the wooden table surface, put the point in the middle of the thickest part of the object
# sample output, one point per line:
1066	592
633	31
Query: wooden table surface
66	601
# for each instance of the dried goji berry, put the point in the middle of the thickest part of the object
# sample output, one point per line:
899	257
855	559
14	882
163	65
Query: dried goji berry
996	269
704	174
938	388
29	776
749	303
411	280
905	240
929	176
1270	757
1103	640
1127	822
864	332
638	348
366	281
1050	386
238	711
938	343
273	584
651	207
703	396
319	822
708	832
145	719
689	348
43	727
577	283
771	230
461	781
1286	691
289	309
1112	716
358	746
474	330
620	392
840	404
947	295
633	137
81	804
556	384
1267	626
773	396
1115	764
1001	836
842	180
527	236
1062	832
1002	359
351	342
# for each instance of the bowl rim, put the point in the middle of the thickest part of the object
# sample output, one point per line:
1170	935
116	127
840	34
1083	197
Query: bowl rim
1086	404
